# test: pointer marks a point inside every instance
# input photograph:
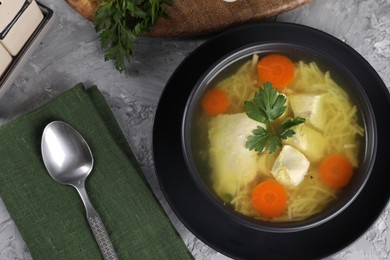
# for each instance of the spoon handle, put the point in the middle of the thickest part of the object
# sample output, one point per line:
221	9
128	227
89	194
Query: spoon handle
101	236
97	226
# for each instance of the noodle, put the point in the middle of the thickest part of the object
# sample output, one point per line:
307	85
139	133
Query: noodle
240	87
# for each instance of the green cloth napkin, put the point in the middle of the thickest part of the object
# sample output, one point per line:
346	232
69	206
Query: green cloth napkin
51	216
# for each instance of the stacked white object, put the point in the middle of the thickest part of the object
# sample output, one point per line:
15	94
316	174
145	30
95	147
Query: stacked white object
18	21
5	60
22	25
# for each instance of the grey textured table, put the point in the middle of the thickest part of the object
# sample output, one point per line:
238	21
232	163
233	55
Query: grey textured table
70	53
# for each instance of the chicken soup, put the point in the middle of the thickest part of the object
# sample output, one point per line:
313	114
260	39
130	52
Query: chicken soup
276	139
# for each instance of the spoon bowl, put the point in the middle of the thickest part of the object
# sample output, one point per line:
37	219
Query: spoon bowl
69	161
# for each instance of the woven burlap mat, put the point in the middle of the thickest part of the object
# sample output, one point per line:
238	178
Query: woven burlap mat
189	17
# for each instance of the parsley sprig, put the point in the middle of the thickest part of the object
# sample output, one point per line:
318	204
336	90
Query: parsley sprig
120	22
266	106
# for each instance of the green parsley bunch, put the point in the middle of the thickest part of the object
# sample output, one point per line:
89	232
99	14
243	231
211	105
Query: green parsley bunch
120	22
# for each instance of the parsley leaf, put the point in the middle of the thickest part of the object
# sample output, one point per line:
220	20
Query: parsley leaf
284	130
120	22
266	106
261	138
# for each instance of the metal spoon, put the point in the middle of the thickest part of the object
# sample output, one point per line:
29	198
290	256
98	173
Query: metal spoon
69	161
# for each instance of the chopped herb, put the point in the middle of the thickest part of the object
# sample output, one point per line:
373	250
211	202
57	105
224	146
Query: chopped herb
266	106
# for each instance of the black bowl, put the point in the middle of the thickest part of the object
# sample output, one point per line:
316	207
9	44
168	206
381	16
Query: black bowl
298	53
232	234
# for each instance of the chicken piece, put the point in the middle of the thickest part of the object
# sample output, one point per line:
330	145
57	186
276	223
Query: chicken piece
233	165
309	141
290	167
309	107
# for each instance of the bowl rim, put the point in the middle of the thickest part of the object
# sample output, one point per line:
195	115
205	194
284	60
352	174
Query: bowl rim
244	53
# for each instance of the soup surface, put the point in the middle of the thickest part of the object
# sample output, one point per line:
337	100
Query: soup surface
276	139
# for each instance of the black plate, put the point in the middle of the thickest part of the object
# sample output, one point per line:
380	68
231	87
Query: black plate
209	223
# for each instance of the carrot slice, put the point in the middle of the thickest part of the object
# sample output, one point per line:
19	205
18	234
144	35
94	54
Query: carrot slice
269	198
215	101
277	69
335	171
